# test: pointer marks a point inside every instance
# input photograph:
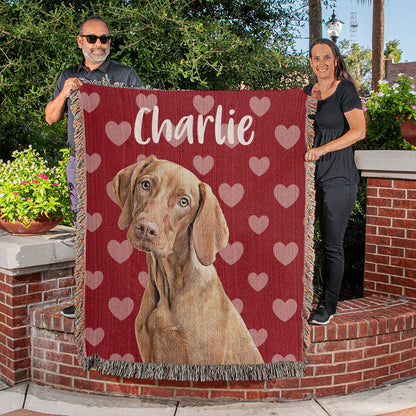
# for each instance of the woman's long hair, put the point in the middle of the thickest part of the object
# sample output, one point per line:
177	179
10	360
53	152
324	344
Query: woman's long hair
341	70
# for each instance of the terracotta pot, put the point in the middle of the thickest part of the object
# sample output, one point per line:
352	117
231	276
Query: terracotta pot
39	226
408	130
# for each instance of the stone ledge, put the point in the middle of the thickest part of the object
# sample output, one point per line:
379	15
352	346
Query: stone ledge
393	164
35	253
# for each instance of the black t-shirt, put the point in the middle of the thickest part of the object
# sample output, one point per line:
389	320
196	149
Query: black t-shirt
115	72
338	167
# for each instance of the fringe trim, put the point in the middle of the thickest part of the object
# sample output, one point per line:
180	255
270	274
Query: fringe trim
311	106
184	372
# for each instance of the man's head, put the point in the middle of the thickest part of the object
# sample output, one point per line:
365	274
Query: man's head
94	40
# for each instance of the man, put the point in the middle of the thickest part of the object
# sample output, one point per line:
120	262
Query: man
94	40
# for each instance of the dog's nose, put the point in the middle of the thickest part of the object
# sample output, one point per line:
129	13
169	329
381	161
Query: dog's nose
147	229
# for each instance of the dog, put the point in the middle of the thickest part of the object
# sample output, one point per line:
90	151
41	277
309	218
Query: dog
185	316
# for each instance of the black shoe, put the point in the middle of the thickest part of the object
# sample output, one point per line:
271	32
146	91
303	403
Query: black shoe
320	316
69	312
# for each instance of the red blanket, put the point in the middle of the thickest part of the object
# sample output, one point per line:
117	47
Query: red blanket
202	199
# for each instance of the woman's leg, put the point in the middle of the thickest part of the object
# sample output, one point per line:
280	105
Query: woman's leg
334	206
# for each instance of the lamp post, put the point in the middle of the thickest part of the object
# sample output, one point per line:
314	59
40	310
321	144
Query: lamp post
334	27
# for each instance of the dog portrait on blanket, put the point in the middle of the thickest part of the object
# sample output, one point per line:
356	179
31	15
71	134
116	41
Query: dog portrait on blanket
185	316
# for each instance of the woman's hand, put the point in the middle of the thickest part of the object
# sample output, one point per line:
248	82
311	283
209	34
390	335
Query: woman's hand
312	155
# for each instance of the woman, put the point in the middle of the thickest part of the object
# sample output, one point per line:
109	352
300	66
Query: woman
339	123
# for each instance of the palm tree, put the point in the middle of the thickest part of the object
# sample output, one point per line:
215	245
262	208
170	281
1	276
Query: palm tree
377	42
315	20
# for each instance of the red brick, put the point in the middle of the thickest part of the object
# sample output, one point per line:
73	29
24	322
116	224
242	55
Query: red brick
401	366
402	223
262	395
283	383
347	378
379	183
406	263
360	365
389	270
58	380
378	259
226	394
390	251
192	393
346	356
379	202
404	203
405	184
81	384
330	369
390	289
411	194
363	385
410	293
391	232
330	391
387	360
371	212
371	248
331	346
221	384
315	381
249	384
127	389
375	373
392	212
375	351
392	193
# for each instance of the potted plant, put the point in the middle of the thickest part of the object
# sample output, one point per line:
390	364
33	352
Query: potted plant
396	103
33	195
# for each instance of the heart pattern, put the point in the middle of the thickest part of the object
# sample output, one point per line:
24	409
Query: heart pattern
90	101
203	104
230	142
259	337
203	164
231	194
110	192
92	162
259	166
286	196
285	254
148	101
287	137
93	280
94	336
94	221
258	224
119	252
258	281
121	308
232	253
126	357
238	304
279	357
284	310
259	106
118	133
143	278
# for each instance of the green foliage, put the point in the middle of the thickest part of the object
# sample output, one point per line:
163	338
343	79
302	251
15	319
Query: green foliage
29	187
386	110
392	51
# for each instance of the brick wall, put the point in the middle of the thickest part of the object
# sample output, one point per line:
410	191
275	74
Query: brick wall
18	295
390	259
393	70
370	342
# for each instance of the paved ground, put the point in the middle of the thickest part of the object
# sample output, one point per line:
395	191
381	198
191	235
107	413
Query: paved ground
32	400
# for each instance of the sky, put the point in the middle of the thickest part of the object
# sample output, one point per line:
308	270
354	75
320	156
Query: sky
399	24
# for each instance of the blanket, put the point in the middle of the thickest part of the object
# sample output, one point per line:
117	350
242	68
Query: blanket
194	255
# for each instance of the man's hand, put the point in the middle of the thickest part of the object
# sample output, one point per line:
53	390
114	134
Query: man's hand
71	85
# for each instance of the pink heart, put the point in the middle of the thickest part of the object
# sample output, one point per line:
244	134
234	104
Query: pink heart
148	101
286	196
224	133
143	278
174	141
140	158
110	192
287	137
203	104
259	166
285	254
90	102
203	164
278	357
94	336
126	357
118	133
238	304
259	106
232	253
92	162
94	221
120	252
258	224
258	281
93	280
231	195
259	337
121	309
284	310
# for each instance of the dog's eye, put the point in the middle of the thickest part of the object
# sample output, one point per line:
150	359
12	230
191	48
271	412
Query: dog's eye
183	202
145	185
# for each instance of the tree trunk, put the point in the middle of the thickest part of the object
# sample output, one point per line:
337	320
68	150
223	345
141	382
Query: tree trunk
378	43
315	20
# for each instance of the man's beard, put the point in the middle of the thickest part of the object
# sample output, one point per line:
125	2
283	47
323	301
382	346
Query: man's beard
95	58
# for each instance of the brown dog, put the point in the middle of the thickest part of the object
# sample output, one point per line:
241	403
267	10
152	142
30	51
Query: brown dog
185	317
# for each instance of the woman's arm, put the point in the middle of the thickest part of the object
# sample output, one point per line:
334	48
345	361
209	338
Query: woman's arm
357	131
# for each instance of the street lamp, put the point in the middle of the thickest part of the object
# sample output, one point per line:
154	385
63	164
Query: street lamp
334	27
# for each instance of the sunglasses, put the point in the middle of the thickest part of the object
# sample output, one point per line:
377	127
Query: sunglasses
93	38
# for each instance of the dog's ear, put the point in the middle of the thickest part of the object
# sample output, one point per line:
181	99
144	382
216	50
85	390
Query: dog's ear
123	186
210	231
